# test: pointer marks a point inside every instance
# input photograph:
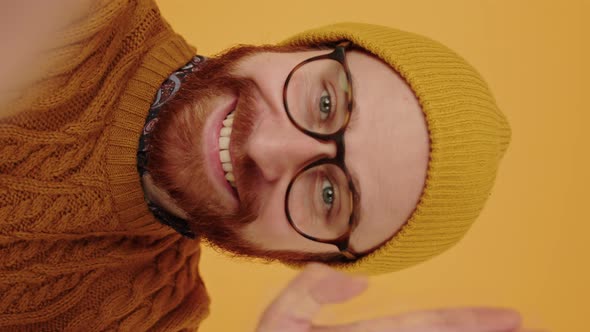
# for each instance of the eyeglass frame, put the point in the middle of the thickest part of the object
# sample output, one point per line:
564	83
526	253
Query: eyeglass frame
343	241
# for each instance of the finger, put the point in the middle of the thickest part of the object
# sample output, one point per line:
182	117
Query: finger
443	320
303	297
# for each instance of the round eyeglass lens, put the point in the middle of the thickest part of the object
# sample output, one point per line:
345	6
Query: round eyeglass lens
318	95
320	202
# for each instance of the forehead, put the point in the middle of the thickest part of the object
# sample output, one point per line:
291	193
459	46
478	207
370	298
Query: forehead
387	148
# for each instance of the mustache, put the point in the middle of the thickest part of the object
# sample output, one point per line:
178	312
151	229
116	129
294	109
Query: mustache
245	169
176	159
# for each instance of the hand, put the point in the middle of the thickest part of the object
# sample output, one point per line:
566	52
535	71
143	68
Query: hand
294	309
28	28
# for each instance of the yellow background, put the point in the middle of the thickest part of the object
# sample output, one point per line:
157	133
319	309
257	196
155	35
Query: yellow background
529	249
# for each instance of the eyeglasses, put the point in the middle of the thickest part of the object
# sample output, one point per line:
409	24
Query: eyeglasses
317	96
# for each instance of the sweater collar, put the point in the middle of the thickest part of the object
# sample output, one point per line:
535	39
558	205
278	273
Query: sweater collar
165	93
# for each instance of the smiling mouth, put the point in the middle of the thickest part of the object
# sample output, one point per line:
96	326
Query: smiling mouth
224	155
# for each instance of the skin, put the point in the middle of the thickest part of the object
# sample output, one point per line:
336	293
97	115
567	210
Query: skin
386	143
296	306
317	285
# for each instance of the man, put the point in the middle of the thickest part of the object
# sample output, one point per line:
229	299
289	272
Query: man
363	147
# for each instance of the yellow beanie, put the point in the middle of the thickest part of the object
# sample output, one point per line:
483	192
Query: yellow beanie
468	137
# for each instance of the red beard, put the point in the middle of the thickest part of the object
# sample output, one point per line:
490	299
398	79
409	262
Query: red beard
177	165
176	160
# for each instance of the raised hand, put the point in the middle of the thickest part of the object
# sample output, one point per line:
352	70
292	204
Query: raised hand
293	310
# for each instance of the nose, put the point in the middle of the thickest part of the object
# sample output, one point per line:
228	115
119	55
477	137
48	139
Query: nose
280	149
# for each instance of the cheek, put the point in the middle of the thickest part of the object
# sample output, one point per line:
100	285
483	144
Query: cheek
263	66
272	231
272	223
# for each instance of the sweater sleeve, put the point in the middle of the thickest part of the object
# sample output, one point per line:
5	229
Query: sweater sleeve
75	254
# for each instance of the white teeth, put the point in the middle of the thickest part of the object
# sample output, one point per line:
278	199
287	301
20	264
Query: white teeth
230	177
224	156
225	132
228	122
224	143
227	167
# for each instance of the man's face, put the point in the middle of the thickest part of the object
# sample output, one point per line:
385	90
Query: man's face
386	144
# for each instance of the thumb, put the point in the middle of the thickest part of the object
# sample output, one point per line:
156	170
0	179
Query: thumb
295	307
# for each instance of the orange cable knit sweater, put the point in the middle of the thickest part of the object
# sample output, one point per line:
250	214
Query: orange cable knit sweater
79	249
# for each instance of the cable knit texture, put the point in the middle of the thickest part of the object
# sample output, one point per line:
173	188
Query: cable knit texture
79	250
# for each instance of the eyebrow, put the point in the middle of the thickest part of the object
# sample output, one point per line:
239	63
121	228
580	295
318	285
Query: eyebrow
356	190
355	110
353	84
356	201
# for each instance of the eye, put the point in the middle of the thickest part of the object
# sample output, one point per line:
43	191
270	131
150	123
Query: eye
328	193
325	105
